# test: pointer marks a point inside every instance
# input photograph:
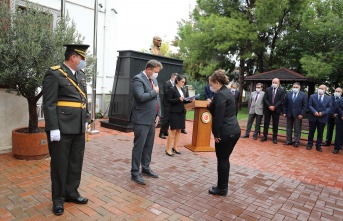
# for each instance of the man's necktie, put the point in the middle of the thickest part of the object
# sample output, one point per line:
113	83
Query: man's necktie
273	95
152	85
75	75
320	99
294	96
256	97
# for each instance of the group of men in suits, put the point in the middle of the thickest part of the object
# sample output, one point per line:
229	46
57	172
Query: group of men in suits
293	105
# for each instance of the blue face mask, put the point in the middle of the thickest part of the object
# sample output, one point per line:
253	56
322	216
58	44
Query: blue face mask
81	65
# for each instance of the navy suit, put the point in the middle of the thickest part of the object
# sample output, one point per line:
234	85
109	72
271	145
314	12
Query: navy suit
292	109
331	122
339	123
318	122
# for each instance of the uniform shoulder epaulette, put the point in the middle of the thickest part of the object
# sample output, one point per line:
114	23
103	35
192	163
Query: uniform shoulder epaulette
55	67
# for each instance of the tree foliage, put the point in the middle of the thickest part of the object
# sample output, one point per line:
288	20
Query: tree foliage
261	35
29	44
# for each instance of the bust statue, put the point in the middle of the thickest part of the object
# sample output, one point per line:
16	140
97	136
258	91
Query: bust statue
157	41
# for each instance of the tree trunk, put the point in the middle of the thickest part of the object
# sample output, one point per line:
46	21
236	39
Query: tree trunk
33	115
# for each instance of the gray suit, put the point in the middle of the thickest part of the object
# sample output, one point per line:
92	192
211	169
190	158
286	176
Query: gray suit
255	111
143	116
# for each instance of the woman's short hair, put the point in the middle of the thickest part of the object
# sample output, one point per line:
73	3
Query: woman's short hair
219	75
179	78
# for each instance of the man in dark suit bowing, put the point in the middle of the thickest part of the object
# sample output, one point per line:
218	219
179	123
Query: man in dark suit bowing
145	114
294	109
235	94
166	106
273	99
320	108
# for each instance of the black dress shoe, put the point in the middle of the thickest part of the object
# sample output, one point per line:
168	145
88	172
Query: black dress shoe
319	148
169	154
177	152
288	143
57	209
217	191
162	136
245	136
263	139
166	134
326	144
335	151
138	179
296	145
149	173
309	147
183	131
78	200
275	141
254	137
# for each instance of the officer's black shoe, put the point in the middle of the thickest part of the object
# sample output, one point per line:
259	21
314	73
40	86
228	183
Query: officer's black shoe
335	151
309	147
319	148
78	200
57	209
183	131
245	136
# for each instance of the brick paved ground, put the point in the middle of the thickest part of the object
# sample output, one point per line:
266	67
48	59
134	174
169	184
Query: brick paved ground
267	182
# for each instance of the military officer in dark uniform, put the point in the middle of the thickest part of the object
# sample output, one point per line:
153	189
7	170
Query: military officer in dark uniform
66	118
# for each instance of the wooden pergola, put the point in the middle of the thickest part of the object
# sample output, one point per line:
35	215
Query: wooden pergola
285	75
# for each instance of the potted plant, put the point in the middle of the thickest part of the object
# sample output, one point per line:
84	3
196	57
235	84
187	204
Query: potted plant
30	43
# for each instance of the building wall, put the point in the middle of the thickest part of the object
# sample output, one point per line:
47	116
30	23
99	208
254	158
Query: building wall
13	114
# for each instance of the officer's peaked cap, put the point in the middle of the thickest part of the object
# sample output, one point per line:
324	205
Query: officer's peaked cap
78	48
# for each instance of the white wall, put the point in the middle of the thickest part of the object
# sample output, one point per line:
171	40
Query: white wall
13	114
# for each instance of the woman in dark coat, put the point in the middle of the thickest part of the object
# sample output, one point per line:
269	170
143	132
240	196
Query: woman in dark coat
225	128
177	117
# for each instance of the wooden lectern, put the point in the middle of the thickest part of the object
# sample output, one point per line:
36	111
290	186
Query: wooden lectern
202	127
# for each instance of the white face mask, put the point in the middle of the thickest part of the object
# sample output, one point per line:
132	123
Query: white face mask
232	89
258	89
274	85
337	94
295	90
81	65
212	89
320	91
154	76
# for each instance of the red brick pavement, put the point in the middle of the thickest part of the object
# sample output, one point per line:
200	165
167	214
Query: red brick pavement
267	182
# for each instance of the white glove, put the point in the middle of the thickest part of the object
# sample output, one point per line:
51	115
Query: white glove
55	135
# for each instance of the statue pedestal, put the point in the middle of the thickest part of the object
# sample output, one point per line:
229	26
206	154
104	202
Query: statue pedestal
129	64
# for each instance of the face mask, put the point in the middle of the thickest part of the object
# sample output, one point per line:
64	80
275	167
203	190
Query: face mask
233	89
320	91
337	94
81	65
154	76
295	90
274	85
258	89
212	89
